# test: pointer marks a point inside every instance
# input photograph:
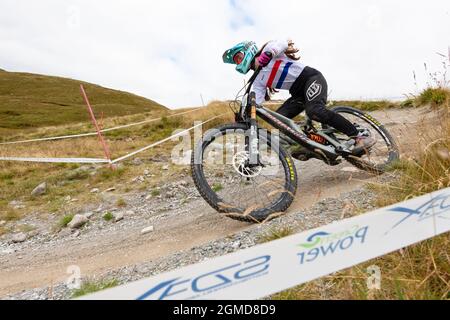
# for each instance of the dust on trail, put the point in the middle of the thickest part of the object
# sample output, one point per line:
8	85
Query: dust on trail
42	267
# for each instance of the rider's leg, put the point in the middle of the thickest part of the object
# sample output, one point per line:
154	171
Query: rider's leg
315	96
291	108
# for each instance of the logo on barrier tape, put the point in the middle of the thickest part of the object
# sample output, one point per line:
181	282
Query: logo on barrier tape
210	281
322	244
436	207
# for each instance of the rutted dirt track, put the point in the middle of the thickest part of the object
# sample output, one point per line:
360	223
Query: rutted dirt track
192	224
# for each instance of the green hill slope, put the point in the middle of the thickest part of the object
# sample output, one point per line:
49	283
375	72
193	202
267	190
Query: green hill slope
31	101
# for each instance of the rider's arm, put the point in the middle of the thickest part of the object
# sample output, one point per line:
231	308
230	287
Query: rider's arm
260	92
276	47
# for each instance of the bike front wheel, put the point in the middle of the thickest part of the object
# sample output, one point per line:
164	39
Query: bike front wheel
229	183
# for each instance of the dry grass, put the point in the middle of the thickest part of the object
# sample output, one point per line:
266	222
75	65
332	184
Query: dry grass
368	105
420	271
276	233
18	179
432	96
121	203
428	170
435	97
3	231
10	215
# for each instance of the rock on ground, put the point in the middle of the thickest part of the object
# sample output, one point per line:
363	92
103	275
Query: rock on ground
118	216
19	237
147	230
77	221
39	190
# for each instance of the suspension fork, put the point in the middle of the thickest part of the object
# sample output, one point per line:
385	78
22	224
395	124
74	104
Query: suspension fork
253	143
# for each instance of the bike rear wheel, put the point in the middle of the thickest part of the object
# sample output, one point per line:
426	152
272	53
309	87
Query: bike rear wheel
378	159
231	185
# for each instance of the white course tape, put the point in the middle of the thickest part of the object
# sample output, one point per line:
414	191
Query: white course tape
56	160
93	160
278	265
163	140
95	133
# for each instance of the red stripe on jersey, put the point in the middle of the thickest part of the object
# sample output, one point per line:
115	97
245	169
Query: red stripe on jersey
275	68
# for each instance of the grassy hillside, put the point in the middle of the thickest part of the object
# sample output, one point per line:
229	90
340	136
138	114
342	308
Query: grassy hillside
31	101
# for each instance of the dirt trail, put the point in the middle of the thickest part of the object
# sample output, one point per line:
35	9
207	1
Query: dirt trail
95	254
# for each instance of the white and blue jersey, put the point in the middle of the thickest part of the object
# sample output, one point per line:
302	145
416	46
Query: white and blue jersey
280	73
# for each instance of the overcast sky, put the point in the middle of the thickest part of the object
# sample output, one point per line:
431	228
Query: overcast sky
171	51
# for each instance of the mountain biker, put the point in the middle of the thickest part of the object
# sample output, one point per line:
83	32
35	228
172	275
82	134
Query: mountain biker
280	69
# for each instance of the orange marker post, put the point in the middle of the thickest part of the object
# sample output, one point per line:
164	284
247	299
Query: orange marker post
100	137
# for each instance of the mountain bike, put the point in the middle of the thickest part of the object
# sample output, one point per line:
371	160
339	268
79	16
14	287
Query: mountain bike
247	172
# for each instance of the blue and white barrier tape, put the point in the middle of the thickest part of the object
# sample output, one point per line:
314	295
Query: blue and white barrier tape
268	268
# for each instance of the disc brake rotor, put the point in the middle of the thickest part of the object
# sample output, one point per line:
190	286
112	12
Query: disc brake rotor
241	165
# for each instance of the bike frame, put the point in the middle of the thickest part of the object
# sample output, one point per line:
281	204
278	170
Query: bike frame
293	131
249	109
